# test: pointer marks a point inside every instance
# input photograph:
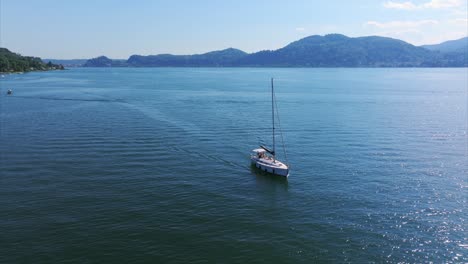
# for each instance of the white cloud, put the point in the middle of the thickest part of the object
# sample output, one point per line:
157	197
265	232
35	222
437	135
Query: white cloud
443	4
407	25
460	12
403	5
419	32
300	29
459	21
424	39
433	4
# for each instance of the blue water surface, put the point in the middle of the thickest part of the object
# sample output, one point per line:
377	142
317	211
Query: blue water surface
151	165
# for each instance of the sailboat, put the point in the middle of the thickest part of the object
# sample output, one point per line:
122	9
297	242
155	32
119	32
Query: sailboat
264	158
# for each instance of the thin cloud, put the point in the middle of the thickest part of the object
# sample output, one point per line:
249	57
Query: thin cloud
300	29
443	4
419	32
433	4
403	5
459	21
401	24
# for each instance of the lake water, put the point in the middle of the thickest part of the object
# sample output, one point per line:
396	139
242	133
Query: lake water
135	165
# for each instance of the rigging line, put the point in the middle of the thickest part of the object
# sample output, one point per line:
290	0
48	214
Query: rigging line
281	130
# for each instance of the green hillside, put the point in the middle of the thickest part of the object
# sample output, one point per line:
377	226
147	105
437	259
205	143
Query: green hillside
13	62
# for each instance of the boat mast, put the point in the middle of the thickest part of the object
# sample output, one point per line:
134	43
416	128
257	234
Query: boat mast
273	117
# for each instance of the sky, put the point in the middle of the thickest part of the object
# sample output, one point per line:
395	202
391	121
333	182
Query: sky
119	28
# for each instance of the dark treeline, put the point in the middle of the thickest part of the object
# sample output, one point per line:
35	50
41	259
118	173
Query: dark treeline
13	62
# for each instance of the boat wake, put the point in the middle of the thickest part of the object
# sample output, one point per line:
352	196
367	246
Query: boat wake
71	99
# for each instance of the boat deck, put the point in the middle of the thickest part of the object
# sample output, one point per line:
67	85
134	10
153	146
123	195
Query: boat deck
272	163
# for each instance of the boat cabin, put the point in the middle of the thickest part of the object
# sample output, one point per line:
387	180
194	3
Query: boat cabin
259	153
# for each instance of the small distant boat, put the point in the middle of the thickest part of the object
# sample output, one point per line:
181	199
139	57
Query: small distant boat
9	91
264	158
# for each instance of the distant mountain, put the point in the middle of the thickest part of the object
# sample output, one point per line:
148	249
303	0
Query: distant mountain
340	51
14	62
459	45
451	53
67	63
103	61
218	58
332	50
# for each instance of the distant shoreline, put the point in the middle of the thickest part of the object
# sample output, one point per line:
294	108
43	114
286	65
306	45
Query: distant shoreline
329	51
275	67
23	72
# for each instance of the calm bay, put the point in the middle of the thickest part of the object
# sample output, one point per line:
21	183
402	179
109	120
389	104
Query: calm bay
152	165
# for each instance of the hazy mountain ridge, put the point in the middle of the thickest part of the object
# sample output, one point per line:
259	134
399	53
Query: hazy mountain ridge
103	61
219	58
340	51
67	63
458	45
333	50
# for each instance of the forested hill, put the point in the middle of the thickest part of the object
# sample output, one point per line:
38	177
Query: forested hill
13	62
458	45
226	57
332	50
340	51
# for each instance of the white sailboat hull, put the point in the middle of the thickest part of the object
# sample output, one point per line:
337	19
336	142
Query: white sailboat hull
269	165
264	158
